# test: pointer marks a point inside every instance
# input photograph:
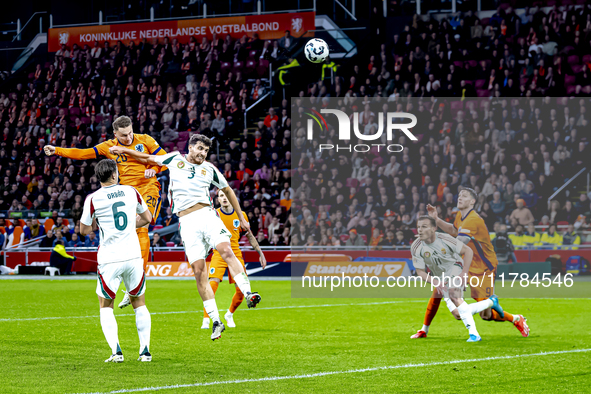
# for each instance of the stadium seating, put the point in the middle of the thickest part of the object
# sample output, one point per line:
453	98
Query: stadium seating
16	237
146	110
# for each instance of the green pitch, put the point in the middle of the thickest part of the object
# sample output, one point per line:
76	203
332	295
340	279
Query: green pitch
352	345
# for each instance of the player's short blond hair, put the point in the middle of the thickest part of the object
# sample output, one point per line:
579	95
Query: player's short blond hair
121	122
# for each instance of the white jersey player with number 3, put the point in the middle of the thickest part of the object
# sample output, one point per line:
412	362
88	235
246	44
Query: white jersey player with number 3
113	209
200	226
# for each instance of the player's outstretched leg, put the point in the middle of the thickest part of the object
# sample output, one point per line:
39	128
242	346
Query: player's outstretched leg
236	301
519	321
109	326
237	272
206	293
214	286
432	308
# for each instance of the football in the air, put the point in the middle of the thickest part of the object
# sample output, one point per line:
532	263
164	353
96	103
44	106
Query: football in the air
316	50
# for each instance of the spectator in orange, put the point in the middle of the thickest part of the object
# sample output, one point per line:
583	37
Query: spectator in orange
286	201
376	238
272	116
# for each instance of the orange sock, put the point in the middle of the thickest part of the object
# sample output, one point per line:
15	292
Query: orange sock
214	286
142	234
432	308
508	317
236	300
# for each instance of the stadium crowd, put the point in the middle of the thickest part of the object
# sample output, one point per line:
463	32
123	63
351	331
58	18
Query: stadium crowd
513	158
514	154
170	90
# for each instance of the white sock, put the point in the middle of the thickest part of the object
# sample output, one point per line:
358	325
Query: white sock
243	283
479	306
425	328
516	318
143	322
109	325
466	316
212	309
450	305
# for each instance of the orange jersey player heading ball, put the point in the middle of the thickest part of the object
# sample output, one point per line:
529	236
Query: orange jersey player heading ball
132	172
470	229
217	266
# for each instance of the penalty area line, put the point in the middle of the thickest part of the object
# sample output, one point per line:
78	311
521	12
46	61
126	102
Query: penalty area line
350	371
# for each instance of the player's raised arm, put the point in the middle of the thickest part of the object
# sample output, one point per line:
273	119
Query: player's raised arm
255	245
72	153
442	224
234	201
467	255
150	159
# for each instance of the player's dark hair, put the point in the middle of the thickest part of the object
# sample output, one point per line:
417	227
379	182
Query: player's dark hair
471	192
429	218
121	122
104	169
195	138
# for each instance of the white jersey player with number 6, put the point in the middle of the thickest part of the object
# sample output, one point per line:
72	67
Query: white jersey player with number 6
113	209
449	261
200	226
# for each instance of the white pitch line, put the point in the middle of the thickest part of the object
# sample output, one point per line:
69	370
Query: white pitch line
200	311
350	371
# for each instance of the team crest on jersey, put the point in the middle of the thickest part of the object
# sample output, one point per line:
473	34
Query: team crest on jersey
139	148
211	270
443	250
203	172
181	164
236	223
427	254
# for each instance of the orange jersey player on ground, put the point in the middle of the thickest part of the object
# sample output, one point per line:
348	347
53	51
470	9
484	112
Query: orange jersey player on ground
132	172
217	266
470	228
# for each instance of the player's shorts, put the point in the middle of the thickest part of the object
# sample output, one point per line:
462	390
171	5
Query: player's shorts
452	279
218	267
201	231
110	276
481	285
151	196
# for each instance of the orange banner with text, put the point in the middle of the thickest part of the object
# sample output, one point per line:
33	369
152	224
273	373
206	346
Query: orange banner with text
272	26
169	268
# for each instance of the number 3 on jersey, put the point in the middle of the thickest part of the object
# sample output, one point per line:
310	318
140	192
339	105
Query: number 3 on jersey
120	217
192	173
